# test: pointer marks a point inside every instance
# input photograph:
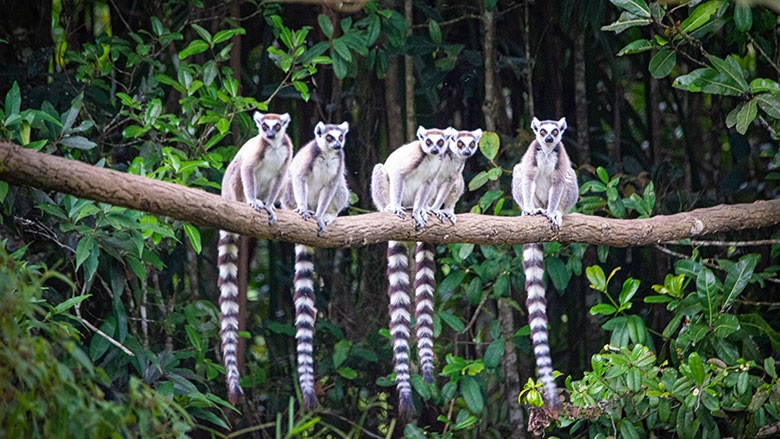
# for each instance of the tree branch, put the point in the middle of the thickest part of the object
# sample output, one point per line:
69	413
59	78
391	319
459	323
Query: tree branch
21	166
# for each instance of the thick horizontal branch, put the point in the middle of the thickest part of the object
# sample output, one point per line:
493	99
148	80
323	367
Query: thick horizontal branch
21	166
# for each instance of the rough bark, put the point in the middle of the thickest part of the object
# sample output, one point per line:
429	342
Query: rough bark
411	127
21	166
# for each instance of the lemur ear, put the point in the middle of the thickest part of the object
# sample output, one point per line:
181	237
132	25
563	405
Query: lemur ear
285	118
344	127
562	124
450	133
319	128
535	124
477	134
420	133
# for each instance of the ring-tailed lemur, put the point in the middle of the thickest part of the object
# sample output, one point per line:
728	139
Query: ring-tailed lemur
543	183
258	170
450	185
407	179
317	189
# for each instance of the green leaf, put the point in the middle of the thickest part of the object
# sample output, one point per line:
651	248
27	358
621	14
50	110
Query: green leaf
731	68
340	66
746	115
630	287
69	303
707	80
347	372
434	31
743	17
340	352
603	309
13	100
326	26
452	281
469	387
634	379
625	21
157	26
558	273
769	367
494	353
662	63
452	321
700	16
193	234
203	33
737	279
340	47
195	47
697	368
78	142
478	181
227	34
707	289
637	46
596	277
85	246
488	145
764	85
194	338
3	190
636	7
602	175
769	103
725	325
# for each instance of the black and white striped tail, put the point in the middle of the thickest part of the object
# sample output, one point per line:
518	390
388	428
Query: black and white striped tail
305	316
398	292
227	262
424	288
533	266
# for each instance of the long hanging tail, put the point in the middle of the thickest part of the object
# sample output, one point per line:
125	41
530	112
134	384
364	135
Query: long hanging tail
398	292
227	262
424	288
305	315
533	266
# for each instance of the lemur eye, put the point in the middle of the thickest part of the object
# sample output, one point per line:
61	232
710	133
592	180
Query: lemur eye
277	127
341	138
543	132
440	142
460	144
471	144
428	142
329	138
555	132
265	126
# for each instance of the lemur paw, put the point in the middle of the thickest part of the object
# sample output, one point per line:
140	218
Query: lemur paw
420	218
554	219
397	210
271	213
256	205
533	212
321	225
445	214
304	212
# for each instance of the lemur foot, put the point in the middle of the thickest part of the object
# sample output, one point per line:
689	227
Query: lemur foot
257	205
397	210
420	218
271	213
448	214
304	212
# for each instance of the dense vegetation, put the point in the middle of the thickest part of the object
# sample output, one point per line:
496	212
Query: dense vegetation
109	322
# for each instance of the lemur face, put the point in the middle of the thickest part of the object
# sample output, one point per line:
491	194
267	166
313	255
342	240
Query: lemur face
548	132
465	143
331	136
271	125
432	141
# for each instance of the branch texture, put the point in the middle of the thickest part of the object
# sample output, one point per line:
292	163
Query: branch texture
21	166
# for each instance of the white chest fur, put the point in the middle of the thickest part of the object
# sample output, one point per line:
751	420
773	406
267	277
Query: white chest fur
272	164
422	176
324	169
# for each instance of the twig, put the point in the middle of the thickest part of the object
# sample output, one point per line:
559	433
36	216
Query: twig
761	51
449	415
101	333
476	312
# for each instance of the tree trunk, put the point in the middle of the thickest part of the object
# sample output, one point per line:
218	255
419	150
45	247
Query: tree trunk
411	122
581	97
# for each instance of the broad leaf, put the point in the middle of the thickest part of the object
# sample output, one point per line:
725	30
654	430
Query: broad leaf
637	46
707	289
700	16
737	279
636	7
662	63
769	103
746	115
627	20
743	17
731	68
469	387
